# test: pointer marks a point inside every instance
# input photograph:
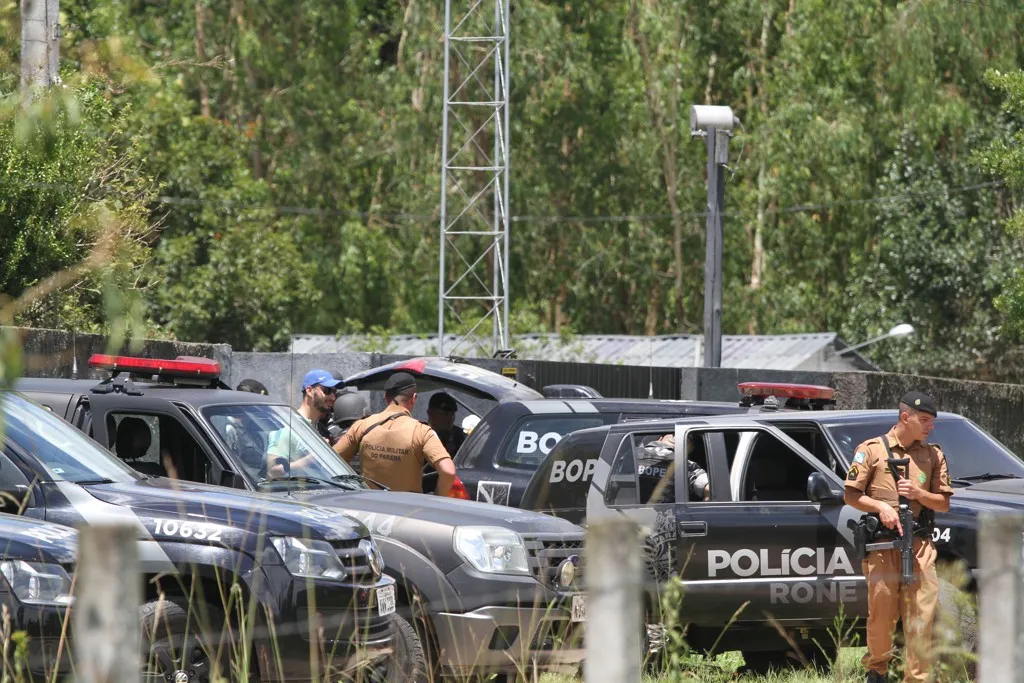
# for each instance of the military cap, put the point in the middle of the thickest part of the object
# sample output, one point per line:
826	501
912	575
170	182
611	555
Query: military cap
400	381
919	401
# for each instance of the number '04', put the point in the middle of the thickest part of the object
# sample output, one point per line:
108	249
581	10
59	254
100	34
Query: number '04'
940	534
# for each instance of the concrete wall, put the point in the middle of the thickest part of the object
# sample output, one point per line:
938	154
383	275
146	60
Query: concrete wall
282	373
53	353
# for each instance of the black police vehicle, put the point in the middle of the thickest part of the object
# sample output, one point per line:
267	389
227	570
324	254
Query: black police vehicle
300	571
489	589
37	564
773	537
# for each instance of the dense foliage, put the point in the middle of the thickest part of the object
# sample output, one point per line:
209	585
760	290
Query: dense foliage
286	158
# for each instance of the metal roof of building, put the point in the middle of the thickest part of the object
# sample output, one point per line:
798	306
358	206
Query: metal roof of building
764	352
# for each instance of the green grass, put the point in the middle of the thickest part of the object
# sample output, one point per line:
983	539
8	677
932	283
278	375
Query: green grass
723	668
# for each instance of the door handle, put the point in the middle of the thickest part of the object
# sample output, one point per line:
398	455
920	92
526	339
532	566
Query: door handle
693	528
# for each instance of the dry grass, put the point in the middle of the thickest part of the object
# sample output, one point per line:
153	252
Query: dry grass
723	668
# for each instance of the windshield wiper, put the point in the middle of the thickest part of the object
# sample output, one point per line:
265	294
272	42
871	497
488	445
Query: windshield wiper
86	482
988	476
353	475
299	478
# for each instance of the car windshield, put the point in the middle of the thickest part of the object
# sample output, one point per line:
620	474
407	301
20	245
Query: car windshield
64	452
970	451
275	445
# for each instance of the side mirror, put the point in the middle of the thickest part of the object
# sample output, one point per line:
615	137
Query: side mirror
819	490
231	480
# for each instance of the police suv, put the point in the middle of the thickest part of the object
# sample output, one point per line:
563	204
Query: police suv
309	579
772	539
488	588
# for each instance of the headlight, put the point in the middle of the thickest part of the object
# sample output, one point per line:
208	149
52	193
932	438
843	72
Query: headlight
37	582
492	549
308	558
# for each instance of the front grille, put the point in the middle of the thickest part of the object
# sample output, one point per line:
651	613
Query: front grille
356	561
546	553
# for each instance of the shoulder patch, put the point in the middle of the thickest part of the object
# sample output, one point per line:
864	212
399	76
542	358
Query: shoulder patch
852	474
859	457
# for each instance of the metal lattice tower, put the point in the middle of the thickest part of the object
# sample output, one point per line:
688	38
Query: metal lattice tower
474	177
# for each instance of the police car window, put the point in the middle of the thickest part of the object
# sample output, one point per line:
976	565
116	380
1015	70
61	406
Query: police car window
813	441
969	449
644	470
775	472
168	450
271	442
535	437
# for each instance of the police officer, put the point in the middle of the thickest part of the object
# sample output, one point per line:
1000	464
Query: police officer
393	446
441	416
654	465
349	406
872	488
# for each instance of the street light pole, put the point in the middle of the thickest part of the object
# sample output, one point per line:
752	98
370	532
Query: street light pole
901	330
715	124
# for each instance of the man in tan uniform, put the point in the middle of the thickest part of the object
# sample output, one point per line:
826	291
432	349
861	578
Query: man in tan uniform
871	487
393	446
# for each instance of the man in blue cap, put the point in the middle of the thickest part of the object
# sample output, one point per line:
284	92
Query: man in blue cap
318	395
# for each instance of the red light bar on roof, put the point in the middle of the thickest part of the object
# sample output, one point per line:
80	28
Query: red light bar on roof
416	366
782	390
183	366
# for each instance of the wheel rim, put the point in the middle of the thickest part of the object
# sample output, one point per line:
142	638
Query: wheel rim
177	660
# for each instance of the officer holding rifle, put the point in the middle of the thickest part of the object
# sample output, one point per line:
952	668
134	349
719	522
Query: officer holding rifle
876	486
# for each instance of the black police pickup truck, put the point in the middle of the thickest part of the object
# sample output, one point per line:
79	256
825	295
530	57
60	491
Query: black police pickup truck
773	532
37	563
308	578
489	589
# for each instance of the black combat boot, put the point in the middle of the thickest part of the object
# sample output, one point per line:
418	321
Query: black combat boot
875	677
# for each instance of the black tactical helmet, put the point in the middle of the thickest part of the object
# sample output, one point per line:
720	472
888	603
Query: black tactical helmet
349	407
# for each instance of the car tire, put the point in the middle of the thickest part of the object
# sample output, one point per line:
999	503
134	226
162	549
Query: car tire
407	663
174	642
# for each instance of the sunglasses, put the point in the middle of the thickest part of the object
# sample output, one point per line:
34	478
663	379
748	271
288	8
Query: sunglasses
329	391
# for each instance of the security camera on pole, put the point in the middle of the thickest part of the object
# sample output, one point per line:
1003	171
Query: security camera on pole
715	124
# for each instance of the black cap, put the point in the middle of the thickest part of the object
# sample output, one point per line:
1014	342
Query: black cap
442	401
252	386
398	382
920	401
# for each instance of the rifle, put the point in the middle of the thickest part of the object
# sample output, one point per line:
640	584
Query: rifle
869	527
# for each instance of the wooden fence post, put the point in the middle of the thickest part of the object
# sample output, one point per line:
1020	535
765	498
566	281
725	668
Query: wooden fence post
108	592
614	580
1000	603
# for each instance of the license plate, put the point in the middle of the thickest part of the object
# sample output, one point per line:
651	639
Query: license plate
386	600
579	609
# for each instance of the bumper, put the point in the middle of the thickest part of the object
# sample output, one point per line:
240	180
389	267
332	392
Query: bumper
508	640
324	630
43	626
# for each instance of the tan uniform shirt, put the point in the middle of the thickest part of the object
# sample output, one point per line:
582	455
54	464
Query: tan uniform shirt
870	472
395	452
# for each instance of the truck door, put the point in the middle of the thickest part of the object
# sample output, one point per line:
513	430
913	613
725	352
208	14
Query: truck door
769	551
156	439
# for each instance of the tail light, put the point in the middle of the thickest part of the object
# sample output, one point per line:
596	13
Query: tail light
458	490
